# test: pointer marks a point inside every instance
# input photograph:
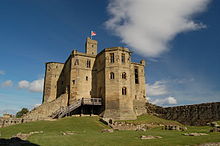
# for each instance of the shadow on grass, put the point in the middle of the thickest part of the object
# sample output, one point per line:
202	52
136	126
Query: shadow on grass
15	141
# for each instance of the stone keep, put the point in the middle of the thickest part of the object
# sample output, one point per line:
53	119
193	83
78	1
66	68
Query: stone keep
109	75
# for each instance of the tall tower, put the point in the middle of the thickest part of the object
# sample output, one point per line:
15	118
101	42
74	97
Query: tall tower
91	46
52	74
118	91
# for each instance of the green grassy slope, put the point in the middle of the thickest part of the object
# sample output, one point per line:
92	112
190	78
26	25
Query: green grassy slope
150	119
88	132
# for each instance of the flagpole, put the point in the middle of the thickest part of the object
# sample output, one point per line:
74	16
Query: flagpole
91	35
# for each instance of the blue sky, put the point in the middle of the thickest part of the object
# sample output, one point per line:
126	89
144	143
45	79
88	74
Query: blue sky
183	60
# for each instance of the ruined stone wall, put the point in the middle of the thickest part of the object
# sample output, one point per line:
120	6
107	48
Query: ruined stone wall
46	109
4	122
198	114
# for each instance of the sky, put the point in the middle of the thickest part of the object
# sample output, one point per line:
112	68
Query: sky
178	39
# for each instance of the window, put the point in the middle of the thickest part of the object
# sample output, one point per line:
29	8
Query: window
76	62
112	75
88	63
123	58
112	58
136	76
87	78
124	75
62	82
124	90
74	81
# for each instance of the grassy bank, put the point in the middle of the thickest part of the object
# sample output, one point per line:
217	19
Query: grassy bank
88	132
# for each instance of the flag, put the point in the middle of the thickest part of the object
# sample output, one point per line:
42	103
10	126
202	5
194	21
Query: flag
93	33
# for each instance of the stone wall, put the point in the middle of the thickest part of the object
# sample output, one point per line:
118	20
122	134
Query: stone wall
45	110
4	122
9	121
197	114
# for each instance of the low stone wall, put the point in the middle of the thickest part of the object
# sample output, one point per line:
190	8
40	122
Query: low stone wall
197	114
4	122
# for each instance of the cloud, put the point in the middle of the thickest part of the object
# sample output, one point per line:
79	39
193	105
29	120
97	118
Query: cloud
157	88
2	72
149	25
34	86
7	83
165	101
23	84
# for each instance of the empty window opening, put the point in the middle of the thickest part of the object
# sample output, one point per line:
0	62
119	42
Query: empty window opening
124	75
136	76
123	58
112	57
112	75
87	78
74	81
88	63
124	91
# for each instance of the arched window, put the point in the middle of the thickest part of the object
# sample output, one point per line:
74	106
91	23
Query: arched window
124	75
112	75
124	91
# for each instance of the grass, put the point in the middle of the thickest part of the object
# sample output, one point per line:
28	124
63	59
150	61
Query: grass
88	131
150	119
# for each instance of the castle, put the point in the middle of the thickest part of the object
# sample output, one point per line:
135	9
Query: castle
107	84
109	75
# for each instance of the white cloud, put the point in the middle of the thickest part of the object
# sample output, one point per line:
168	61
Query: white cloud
165	101
34	86
149	25
157	88
23	84
2	72
7	83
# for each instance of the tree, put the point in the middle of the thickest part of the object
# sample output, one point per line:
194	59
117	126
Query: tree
22	112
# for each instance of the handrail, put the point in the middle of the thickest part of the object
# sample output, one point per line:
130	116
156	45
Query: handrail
62	111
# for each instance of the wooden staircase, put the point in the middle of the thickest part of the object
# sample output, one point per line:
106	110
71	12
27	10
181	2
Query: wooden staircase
65	111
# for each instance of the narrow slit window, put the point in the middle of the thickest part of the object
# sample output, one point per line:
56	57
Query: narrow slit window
136	76
112	57
123	58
